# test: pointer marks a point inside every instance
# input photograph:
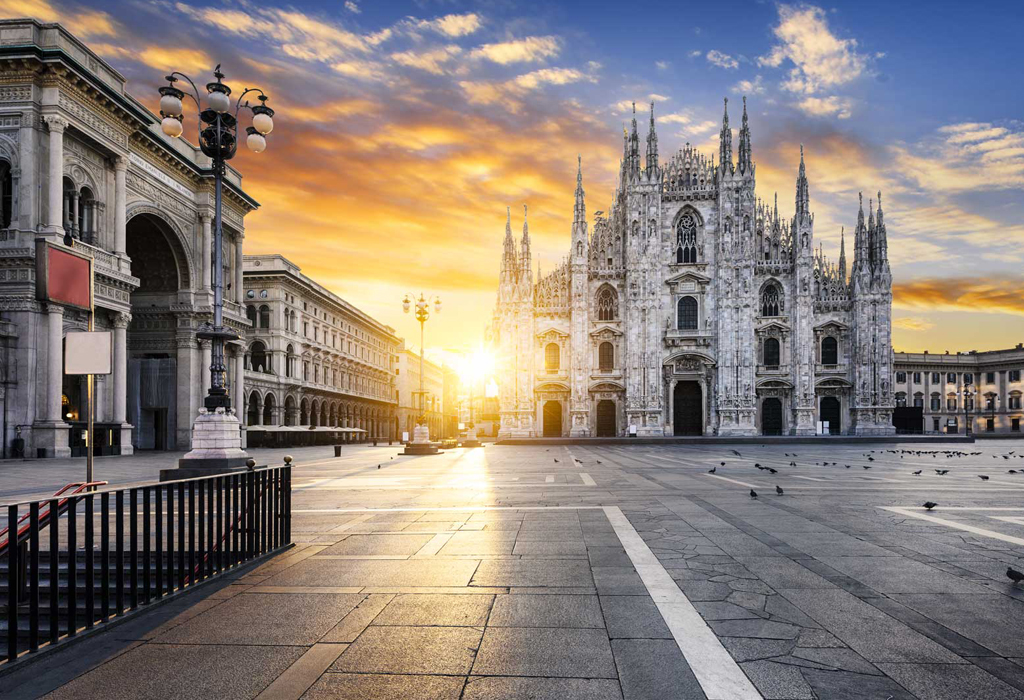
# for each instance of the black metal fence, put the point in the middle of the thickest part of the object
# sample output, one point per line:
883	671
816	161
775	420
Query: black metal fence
74	562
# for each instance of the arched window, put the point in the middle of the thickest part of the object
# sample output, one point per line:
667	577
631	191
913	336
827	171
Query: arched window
606	357
771	301
686	239
6	194
552	359
687	314
250	313
86	210
264	316
746	224
289	367
258	357
771	352
607	304
829	351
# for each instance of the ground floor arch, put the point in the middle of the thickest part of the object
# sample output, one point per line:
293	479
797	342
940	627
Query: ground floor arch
607	418
771	416
830	409
688	408
552	418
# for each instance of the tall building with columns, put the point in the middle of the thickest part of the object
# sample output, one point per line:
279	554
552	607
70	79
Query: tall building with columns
313	358
695	308
78	154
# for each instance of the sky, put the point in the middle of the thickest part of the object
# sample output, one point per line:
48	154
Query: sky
404	130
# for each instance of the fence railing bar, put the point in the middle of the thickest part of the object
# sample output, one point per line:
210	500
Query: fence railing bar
90	571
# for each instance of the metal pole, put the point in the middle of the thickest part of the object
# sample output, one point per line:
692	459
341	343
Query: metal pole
89	384
217	352
423	412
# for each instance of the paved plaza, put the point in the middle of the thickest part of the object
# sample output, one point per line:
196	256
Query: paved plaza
596	572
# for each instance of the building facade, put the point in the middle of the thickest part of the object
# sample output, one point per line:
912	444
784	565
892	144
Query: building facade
311	357
936	384
78	154
439	403
693	308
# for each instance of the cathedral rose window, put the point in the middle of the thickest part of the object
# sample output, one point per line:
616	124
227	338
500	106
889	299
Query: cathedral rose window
686	239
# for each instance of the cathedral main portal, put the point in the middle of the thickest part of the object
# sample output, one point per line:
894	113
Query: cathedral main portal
687	411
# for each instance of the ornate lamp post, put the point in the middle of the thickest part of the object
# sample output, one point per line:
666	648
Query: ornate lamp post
218	139
421	444
968	395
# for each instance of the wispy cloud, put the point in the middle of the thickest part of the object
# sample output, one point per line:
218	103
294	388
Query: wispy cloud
531	49
750	87
992	294
966	157
820	59
826	106
722	60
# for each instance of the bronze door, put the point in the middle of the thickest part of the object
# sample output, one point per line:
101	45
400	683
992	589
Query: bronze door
687	409
606	419
553	419
771	417
830	411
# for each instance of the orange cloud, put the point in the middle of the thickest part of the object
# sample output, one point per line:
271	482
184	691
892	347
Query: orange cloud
995	294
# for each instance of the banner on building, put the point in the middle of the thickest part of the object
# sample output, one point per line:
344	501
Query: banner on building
63	275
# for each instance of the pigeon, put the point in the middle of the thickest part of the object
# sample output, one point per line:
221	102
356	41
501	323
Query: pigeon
556	459
756	464
722	463
982	477
1012	471
917	473
778	489
773	471
871	459
928	505
736	452
598	461
753	493
942	472
1014	575
712	470
847	466
867	467
378	466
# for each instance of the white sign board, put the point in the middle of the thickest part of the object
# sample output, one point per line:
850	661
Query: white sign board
405	436
88	352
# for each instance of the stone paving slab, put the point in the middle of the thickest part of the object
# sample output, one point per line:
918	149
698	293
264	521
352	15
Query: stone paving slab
816	594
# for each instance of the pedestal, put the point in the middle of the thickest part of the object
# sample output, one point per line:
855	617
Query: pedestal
216	447
471	439
421	444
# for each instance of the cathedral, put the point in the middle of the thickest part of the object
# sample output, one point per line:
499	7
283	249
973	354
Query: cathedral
693	308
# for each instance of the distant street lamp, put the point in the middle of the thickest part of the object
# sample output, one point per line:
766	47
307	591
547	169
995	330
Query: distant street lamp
421	433
968	396
218	139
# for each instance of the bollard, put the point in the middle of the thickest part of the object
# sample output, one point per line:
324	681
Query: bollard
337	450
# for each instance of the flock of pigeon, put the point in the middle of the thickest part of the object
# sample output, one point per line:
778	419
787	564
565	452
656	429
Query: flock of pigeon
1011	573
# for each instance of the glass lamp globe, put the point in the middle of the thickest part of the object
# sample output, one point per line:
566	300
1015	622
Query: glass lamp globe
171	127
256	143
406	304
218	101
170	105
263	123
437	306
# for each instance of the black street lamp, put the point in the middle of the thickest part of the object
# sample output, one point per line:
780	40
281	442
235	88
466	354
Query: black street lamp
421	436
218	139
968	396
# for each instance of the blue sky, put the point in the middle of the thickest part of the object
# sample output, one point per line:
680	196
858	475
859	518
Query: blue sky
405	129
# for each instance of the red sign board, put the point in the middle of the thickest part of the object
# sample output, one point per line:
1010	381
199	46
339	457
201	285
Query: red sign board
63	276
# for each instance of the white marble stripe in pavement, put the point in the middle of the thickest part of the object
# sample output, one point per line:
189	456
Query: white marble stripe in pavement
549	479
735	481
952	523
719	675
587	481
433	546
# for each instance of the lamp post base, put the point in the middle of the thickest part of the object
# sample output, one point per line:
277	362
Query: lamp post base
421	444
216	447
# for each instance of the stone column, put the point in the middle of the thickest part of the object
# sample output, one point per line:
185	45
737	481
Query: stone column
207	269
120	204
238	269
120	374
186	408
55	200
239	390
73	213
54	362
204	369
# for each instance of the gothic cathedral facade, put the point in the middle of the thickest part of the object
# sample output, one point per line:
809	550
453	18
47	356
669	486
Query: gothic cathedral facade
693	308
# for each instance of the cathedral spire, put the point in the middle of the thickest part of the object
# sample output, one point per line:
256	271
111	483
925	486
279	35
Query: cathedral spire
725	141
842	255
509	264
580	208
745	164
525	261
652	147
881	238
634	148
802	193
